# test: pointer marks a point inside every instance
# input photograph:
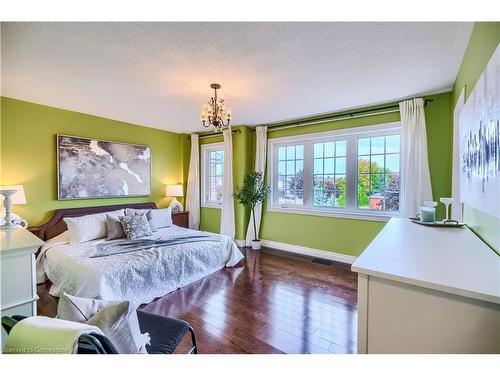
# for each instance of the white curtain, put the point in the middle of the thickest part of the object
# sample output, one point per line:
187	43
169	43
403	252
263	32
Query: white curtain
260	166
415	178
193	184
227	226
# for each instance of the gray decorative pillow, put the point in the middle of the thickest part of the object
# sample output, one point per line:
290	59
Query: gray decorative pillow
147	211
136	226
116	319
114	227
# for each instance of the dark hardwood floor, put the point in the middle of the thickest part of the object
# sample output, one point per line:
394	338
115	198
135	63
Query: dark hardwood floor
273	303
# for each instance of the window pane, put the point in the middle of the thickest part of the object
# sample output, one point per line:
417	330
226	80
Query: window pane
392	143
318	166
340	182
329	149
340	165
340	148
290	153
329	166
377	164
281	182
318	198
318	182
364	146
377	182
364	182
318	150
218	169
391	201
282	167
290	167
377	145
281	153
392	163
212	189
364	164
393	182
299	152
299	166
363	199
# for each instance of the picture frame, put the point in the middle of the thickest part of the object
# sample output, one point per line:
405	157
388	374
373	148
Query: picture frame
92	168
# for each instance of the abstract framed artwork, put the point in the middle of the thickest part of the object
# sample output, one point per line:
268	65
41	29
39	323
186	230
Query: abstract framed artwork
94	168
479	133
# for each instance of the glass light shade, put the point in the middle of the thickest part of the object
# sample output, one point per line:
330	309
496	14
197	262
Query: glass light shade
18	197
174	191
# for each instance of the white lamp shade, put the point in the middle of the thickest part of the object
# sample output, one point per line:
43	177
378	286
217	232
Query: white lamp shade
174	191
18	197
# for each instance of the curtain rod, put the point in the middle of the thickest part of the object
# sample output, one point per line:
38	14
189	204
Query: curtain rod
215	134
339	117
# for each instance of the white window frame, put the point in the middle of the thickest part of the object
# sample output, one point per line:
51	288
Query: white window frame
205	161
350	135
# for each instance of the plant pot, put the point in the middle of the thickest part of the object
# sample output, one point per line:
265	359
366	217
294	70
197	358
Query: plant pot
256	245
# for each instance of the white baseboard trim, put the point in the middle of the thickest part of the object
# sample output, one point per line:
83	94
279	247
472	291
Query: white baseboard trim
315	253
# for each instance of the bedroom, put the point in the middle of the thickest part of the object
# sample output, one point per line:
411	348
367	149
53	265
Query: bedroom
278	222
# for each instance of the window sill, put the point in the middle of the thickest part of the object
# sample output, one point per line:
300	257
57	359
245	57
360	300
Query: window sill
370	216
211	205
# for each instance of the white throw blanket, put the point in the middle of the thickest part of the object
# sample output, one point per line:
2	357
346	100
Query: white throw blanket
138	276
43	335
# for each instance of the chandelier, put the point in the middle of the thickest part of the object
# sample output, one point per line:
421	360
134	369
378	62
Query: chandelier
214	112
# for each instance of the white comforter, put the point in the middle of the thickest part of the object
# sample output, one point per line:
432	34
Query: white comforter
138	276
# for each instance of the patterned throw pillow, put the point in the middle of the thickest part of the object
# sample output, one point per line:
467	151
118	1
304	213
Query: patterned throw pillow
147	211
135	226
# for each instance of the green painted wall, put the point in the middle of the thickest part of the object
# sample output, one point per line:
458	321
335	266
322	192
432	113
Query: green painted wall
347	236
28	154
350	236
484	40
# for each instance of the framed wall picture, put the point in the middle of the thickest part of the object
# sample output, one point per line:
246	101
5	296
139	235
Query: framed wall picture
479	132
94	168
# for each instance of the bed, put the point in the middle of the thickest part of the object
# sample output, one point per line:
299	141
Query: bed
138	276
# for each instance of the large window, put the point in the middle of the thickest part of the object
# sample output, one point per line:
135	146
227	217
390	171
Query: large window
346	172
212	174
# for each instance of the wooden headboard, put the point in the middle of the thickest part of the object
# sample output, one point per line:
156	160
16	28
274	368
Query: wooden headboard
56	224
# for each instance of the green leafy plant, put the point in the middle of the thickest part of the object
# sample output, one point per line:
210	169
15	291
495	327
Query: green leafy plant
253	191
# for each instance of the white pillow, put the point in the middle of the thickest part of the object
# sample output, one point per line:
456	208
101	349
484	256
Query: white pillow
116	319
89	227
162	217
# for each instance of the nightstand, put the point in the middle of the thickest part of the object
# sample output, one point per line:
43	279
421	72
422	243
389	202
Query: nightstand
181	219
17	255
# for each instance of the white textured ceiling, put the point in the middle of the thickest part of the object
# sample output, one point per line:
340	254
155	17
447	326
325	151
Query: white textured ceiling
158	74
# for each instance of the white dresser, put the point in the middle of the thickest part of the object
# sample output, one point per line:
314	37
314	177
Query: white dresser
18	274
428	290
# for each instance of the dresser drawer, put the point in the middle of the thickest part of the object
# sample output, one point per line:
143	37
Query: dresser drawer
18	284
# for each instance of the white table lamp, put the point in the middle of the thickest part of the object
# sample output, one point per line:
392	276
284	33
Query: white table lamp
175	191
14	194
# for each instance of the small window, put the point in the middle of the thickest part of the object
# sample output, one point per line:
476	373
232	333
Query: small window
212	174
378	173
291	174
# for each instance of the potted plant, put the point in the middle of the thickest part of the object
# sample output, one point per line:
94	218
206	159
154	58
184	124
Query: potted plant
253	191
